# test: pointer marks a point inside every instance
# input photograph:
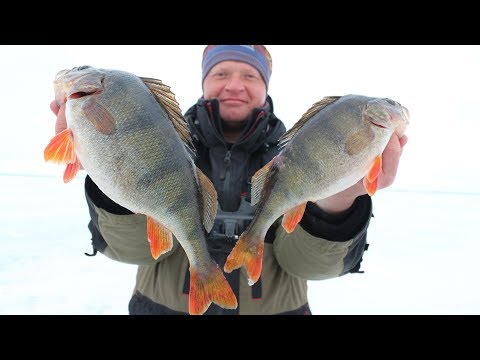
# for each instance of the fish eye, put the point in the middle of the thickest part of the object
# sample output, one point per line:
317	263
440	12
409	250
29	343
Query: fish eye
83	67
391	102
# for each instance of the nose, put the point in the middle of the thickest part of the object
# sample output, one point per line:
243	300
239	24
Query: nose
235	83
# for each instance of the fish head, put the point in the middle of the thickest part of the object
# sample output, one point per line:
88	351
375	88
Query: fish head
78	82
386	114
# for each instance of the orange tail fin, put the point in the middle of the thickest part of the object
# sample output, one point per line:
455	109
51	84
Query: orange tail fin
249	253
212	288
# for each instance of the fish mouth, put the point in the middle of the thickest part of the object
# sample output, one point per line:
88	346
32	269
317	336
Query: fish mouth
82	85
78	83
73	93
81	94
375	122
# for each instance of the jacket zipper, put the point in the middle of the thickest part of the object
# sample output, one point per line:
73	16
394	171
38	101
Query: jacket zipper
227	161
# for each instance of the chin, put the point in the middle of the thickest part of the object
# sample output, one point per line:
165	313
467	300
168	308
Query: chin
234	113
235	120
236	117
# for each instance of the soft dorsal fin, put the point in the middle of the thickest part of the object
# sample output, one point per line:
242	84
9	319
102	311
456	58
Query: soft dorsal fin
315	108
166	98
258	182
208	199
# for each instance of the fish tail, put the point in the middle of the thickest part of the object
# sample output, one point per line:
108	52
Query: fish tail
212	288
248	252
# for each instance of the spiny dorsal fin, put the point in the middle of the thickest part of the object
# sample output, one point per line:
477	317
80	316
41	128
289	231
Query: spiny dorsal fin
315	108
166	98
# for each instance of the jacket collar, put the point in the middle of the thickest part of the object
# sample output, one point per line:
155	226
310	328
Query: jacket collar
205	122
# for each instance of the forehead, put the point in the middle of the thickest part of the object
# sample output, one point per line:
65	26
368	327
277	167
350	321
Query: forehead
230	65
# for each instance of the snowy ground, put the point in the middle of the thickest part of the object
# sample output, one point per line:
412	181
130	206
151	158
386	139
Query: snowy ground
422	257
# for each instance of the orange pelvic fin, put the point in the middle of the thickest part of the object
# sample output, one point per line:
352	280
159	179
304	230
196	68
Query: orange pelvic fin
71	170
212	288
247	252
159	237
60	149
292	217
370	181
375	169
371	187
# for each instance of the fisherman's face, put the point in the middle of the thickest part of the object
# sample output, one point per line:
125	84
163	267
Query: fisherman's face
239	88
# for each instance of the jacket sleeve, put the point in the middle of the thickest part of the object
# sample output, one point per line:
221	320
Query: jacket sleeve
117	232
324	246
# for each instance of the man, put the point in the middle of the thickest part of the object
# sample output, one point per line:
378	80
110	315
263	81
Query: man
235	133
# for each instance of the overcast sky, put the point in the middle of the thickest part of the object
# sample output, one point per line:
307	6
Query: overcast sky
424	240
438	84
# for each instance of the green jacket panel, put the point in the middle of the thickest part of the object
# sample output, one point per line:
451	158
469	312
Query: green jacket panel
281	292
126	238
308	257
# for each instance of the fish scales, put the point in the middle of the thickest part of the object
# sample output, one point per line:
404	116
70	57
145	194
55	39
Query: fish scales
335	144
128	133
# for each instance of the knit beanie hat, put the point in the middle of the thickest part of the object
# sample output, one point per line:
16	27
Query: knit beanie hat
255	55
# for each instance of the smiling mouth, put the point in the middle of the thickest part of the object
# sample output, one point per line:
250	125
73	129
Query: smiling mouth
233	100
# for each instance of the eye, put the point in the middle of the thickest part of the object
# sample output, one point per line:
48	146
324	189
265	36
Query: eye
249	76
219	75
391	102
83	67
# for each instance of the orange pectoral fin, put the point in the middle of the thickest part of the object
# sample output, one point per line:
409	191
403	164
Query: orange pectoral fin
159	237
292	217
60	149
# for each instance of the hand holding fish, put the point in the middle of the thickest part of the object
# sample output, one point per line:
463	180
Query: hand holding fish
390	159
59	111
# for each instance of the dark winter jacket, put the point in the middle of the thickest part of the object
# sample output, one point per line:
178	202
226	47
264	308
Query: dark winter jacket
321	247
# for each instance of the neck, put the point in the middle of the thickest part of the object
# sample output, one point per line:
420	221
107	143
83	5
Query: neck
232	132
